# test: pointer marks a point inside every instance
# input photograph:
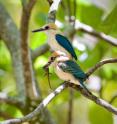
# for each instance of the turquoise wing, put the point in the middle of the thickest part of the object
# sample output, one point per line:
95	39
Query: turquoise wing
65	43
74	69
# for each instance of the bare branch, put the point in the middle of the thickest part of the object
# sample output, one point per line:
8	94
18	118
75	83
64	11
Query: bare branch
52	11
88	29
39	51
101	63
11	100
75	11
41	106
24	3
69	10
11	36
51	96
48	99
95	99
31	90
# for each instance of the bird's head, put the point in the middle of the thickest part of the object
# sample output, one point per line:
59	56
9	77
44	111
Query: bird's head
47	27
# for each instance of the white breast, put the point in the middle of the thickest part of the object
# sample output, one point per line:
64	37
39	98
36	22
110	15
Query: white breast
63	75
54	44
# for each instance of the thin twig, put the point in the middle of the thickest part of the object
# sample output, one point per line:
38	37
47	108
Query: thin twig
51	96
95	99
52	11
74	13
39	51
48	99
101	63
69	10
113	99
88	29
9	33
40	107
101	91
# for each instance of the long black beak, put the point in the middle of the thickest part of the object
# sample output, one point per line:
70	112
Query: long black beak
38	30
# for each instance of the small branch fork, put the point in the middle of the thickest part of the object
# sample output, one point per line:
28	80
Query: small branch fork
63	86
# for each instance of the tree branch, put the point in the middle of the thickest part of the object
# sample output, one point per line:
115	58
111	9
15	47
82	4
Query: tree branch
11	36
48	99
94	98
69	10
31	90
41	106
11	100
52	11
57	91
101	63
88	29
39	51
75	12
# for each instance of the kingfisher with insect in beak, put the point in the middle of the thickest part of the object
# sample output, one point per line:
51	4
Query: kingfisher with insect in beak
57	41
68	70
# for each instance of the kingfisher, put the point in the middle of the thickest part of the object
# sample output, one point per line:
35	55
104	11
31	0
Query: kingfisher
57	41
68	70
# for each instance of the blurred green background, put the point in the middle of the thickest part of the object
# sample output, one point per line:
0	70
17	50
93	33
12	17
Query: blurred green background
102	16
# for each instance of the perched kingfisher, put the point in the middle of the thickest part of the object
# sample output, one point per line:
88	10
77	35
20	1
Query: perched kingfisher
57	41
68	70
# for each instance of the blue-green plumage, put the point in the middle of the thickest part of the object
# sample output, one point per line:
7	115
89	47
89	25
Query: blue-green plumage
73	68
65	43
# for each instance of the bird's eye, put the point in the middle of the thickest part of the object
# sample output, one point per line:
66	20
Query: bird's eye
47	27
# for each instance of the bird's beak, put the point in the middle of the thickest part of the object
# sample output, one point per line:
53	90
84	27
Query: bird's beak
38	30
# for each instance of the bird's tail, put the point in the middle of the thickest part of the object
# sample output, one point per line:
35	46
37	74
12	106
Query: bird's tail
82	84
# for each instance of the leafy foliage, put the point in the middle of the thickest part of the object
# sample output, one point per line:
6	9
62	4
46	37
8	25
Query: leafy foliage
87	13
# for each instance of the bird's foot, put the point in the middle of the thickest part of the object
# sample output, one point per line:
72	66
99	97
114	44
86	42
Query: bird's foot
46	66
